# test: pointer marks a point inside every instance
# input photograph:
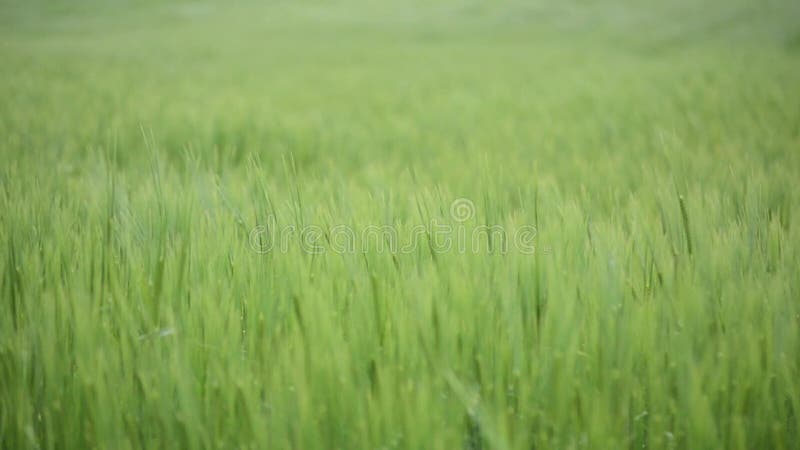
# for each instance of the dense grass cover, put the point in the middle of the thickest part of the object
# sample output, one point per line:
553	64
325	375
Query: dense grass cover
151	153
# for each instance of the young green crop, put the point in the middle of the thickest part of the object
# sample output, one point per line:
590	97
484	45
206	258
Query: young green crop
432	226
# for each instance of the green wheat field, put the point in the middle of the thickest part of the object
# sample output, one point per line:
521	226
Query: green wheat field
421	225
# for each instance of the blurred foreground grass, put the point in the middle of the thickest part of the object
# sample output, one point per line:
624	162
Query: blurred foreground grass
654	147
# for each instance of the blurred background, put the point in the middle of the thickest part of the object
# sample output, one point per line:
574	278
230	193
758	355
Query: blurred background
376	87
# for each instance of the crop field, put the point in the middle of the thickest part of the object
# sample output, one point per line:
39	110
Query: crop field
421	225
